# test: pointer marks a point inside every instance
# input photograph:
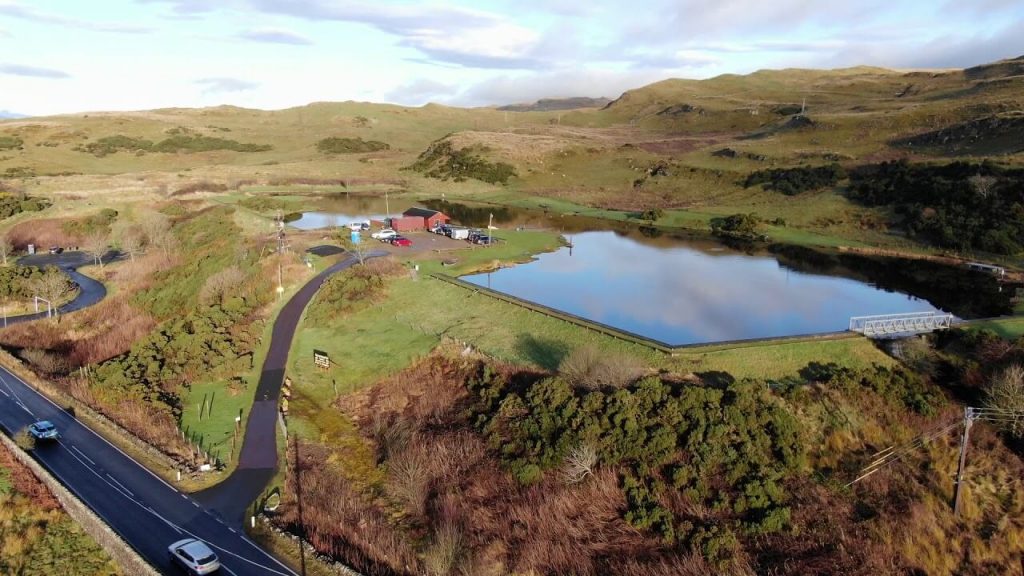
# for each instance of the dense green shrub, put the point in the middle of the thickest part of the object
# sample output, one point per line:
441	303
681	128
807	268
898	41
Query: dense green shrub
652	215
11	204
959	205
209	242
197	344
112	144
335	145
894	384
793	181
199	143
98	222
745	226
10	142
341	293
442	161
177	142
16	281
729	448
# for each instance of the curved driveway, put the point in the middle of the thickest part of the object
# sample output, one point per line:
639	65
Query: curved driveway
90	291
257	461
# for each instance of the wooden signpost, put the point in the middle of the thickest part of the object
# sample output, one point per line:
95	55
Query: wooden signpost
321	359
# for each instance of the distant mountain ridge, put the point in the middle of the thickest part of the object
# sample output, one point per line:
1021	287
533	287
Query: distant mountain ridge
552	104
8	115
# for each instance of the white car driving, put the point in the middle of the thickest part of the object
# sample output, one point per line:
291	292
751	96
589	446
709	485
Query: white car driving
195	556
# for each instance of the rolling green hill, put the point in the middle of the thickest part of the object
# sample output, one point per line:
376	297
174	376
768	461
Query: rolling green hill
685	146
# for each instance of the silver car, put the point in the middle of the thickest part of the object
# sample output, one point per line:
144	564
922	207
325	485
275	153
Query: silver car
195	556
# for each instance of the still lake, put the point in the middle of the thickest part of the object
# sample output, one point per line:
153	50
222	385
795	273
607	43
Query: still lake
685	294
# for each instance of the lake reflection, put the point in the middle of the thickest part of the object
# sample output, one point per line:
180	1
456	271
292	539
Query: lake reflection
682	295
345	210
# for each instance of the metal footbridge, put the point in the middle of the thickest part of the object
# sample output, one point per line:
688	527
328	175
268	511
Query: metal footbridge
900	325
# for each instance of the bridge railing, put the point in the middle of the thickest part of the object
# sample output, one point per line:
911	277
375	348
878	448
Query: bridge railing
895	324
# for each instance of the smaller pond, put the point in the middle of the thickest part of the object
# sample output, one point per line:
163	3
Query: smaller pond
342	211
682	294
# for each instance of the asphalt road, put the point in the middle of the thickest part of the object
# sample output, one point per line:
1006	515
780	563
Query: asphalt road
147	512
257	460
143	509
90	291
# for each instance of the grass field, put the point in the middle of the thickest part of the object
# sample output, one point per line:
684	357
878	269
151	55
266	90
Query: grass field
418	313
1010	328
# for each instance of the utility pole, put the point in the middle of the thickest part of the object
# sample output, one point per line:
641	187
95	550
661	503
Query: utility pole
280	255
964	439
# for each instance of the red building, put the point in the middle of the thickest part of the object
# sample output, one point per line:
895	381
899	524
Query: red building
428	218
406	223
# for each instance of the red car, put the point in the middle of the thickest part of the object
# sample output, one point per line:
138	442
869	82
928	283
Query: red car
401	242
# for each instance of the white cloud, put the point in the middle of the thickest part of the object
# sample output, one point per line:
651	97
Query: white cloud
464	36
275	36
223	84
421	91
20	11
32	71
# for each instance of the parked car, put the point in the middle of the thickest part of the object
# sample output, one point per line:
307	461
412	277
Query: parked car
358	226
444	229
43	430
383	234
481	239
400	241
56	249
195	556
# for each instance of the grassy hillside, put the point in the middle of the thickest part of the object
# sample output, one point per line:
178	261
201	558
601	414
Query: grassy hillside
685	146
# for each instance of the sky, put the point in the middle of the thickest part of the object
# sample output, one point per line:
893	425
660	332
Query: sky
63	56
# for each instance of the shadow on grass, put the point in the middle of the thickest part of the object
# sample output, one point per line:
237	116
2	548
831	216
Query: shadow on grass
543	352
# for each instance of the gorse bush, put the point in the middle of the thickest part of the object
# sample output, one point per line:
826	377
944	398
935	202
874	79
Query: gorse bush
205	343
336	145
113	144
11	204
744	226
693	439
177	142
20	282
197	143
793	181
10	142
960	205
443	161
894	384
98	222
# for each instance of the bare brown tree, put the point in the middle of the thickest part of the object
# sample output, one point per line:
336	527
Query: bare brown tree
361	250
158	229
51	285
1006	394
96	244
220	285
579	463
982	184
6	248
131	241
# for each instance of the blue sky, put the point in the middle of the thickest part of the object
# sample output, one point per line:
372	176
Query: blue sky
60	56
